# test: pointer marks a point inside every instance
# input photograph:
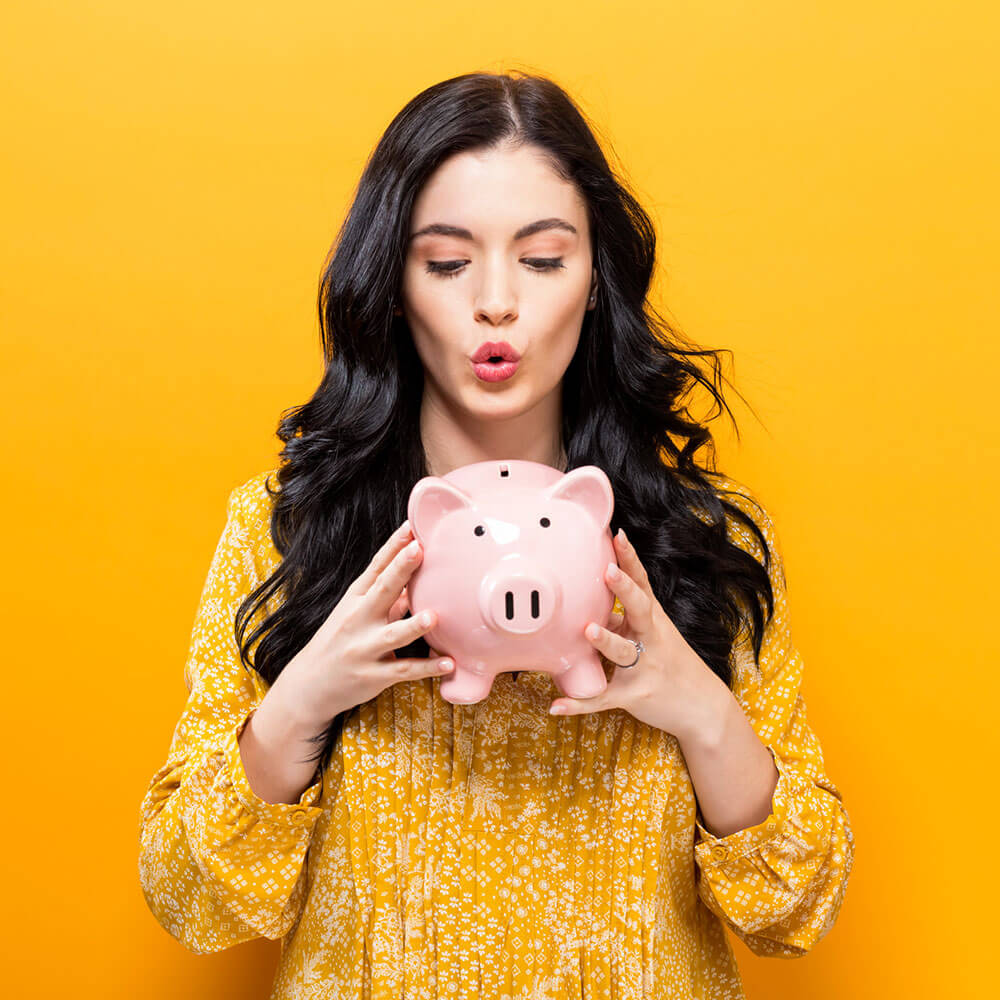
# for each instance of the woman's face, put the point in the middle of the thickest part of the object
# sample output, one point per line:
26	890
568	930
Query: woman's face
479	278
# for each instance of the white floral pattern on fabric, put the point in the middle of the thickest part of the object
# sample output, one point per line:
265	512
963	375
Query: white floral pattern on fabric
489	850
799	858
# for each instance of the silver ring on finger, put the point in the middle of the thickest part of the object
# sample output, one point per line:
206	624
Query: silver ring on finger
639	647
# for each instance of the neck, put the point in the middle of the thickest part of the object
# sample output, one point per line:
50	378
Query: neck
453	438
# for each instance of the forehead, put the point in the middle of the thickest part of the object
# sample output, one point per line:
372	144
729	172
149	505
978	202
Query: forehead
497	191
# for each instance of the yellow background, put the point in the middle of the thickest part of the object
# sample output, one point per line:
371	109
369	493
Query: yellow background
824	184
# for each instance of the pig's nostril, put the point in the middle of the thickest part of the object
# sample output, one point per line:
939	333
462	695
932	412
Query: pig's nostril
536	604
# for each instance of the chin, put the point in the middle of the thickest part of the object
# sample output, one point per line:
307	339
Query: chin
498	399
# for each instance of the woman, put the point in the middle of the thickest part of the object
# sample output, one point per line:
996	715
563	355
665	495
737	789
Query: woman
321	791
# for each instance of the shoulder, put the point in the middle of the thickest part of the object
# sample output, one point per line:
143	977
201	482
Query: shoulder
251	498
750	503
776	632
249	513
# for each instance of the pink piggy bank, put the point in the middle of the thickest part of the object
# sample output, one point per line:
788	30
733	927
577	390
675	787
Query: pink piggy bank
513	565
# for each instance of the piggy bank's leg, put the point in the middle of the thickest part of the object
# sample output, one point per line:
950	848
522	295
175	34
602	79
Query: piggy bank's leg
585	679
464	685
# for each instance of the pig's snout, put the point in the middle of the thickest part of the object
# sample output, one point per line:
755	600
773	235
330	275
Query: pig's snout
521	600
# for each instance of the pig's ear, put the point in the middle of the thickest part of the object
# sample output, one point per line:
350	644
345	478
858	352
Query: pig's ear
430	499
589	487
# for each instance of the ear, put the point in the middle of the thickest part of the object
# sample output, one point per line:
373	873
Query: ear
589	487
430	499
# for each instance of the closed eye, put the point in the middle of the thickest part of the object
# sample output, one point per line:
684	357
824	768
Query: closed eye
451	268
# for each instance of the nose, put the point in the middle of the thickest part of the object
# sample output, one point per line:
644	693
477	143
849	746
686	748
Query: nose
496	302
520	601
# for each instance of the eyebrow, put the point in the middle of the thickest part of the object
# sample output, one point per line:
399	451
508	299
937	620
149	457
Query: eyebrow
443	229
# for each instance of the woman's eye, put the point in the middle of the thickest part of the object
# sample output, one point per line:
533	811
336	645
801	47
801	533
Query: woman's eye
450	268
447	268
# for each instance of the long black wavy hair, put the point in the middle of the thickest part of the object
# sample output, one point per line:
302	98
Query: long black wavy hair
352	453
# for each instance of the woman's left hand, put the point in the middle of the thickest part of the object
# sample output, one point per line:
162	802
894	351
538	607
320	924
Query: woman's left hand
671	687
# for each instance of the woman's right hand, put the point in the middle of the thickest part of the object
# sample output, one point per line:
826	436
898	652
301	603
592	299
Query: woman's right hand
350	659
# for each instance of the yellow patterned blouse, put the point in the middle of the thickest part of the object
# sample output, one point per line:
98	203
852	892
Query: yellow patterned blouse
489	850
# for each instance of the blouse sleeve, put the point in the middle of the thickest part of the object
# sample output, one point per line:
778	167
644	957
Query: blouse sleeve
779	885
218	865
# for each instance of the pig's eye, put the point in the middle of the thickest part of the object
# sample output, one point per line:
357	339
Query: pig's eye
480	530
544	522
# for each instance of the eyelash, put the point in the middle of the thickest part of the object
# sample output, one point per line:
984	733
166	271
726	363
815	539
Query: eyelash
442	269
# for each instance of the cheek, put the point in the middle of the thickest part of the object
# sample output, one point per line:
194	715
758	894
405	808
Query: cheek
415	293
428	302
560	354
561	319
563	304
429	346
430	325
423	311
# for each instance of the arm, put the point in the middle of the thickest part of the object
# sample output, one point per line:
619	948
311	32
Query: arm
733	773
774	846
275	751
219	864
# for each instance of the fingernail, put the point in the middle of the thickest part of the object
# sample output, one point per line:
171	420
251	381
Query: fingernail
413	548
444	665
614	572
593	631
557	710
404	527
622	537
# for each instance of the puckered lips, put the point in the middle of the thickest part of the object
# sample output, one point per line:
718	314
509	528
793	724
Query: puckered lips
492	350
495	361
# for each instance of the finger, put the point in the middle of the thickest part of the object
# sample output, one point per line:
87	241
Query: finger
636	602
386	553
581	706
616	648
616	621
388	585
414	668
404	631
401	606
399	609
629	560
